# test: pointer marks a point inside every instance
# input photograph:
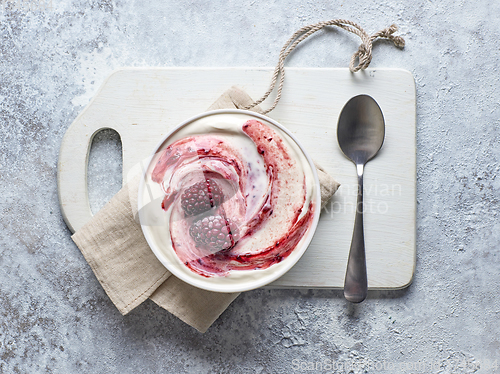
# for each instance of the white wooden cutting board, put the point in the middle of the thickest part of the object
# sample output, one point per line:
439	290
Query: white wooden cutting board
142	105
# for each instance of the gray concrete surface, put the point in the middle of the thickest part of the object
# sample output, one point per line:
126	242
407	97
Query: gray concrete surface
55	317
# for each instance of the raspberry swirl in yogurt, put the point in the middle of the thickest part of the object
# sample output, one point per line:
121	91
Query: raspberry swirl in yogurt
237	197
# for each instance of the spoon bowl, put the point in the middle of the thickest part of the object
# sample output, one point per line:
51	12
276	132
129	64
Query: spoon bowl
361	129
360	133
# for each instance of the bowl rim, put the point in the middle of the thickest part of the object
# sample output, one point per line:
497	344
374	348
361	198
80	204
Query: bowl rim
202	282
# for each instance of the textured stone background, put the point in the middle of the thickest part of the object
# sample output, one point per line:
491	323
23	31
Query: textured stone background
55	317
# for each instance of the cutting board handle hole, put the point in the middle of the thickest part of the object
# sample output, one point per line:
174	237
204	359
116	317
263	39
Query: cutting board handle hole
104	168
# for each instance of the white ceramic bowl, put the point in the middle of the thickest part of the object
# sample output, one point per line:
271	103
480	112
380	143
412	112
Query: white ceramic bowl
237	280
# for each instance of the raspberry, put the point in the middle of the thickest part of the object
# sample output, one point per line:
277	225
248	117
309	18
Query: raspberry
201	197
215	233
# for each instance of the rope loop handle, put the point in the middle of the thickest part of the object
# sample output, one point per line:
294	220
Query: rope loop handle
363	55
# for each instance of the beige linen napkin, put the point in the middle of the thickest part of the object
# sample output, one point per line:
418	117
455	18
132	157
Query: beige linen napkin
116	250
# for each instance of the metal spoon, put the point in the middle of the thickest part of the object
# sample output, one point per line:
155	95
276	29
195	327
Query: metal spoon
360	133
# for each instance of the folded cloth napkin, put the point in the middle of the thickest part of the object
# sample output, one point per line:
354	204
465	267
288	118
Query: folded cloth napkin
116	250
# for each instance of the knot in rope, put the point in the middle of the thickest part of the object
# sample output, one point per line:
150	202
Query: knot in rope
364	52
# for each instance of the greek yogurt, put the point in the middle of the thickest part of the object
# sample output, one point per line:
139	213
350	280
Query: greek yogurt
270	193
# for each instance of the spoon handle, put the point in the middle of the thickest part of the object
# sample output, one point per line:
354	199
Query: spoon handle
356	284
